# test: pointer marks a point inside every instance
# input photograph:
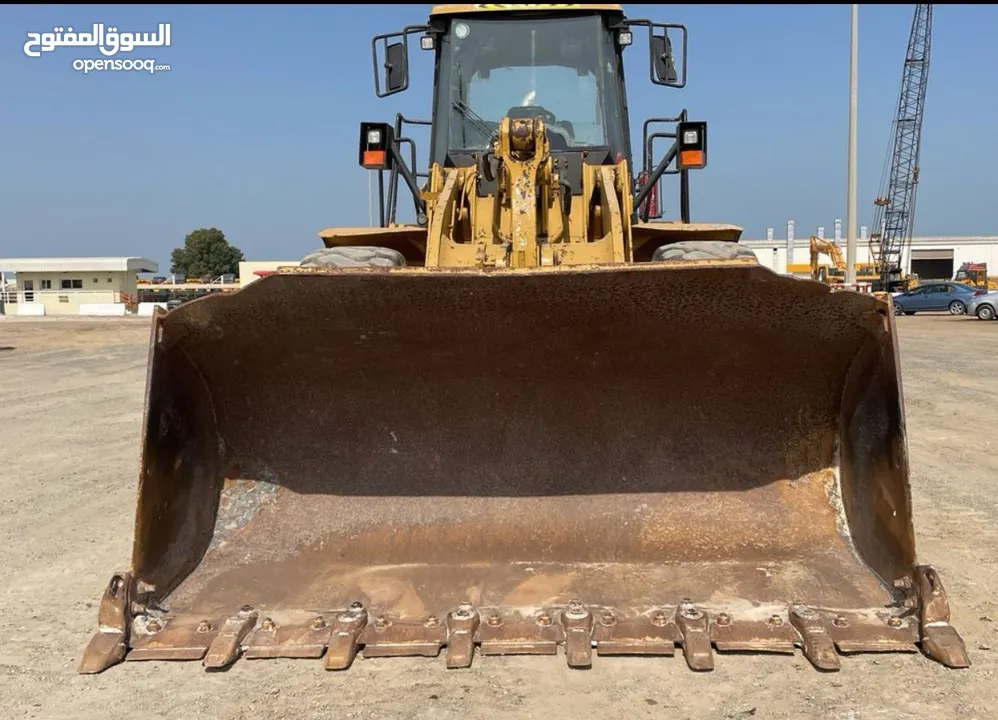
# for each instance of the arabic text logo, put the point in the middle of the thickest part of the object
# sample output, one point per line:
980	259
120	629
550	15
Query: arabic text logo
108	40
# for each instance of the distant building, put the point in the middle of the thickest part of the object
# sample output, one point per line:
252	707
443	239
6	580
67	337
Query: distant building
929	257
74	286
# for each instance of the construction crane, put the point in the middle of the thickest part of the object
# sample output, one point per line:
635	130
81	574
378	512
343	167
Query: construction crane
895	204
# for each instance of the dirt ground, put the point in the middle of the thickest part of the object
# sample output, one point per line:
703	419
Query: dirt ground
70	403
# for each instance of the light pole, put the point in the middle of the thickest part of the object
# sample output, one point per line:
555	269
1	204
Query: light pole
370	201
851	175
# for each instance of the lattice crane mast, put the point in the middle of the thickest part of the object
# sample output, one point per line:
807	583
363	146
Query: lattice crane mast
894	216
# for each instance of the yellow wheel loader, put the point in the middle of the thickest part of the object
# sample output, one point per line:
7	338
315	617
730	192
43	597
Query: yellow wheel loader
534	420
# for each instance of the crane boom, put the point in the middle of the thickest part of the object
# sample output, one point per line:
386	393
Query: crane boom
895	206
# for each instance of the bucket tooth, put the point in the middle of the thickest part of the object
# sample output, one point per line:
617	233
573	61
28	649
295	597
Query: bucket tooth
693	625
578	623
462	624
344	638
224	649
109	644
816	643
940	640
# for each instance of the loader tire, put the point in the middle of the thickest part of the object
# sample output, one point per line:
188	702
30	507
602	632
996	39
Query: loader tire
702	250
354	256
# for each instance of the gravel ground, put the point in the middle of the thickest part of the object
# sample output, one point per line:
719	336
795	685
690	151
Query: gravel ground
70	402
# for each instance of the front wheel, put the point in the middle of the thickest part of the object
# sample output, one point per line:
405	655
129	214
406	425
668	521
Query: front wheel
957	308
985	312
898	310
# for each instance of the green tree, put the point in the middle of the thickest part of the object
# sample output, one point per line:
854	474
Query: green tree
205	252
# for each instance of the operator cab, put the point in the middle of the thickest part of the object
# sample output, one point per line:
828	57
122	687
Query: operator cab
562	63
565	68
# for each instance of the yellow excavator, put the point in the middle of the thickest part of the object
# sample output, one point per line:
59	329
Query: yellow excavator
865	273
820	246
537	419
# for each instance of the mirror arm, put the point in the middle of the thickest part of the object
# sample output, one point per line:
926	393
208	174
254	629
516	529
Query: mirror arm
655	176
410	181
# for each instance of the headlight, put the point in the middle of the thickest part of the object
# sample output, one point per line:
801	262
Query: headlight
690	137
373	137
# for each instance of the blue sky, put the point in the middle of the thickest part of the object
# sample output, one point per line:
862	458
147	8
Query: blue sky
254	129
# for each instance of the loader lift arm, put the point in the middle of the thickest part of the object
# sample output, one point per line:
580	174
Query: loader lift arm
647	186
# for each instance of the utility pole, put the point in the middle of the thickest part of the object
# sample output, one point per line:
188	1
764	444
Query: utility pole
851	176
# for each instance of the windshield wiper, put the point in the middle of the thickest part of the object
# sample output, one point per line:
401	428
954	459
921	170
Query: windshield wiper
476	120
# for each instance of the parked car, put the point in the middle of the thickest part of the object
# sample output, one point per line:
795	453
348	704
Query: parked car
984	305
952	297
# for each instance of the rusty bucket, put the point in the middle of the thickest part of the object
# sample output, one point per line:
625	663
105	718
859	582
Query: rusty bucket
627	460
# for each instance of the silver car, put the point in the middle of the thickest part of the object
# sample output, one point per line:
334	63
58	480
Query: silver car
984	305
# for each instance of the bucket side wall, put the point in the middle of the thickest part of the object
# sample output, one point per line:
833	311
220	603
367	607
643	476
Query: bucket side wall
181	475
874	473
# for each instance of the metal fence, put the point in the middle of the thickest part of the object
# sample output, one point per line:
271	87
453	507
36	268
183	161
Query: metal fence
10	299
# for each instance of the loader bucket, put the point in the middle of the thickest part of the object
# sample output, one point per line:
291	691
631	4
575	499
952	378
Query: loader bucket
631	460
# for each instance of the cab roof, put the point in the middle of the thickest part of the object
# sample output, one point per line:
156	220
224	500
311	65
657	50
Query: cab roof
439	10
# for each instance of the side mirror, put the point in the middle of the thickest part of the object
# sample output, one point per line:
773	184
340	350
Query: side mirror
376	146
691	137
396	68
662	60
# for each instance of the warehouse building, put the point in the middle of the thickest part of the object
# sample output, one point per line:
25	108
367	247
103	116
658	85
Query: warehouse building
74	286
928	257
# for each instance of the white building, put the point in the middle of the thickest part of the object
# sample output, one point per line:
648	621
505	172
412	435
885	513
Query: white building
74	286
929	257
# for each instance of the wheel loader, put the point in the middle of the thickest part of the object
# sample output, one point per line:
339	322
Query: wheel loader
537	419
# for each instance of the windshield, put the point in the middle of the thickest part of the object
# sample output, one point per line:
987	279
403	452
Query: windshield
563	68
